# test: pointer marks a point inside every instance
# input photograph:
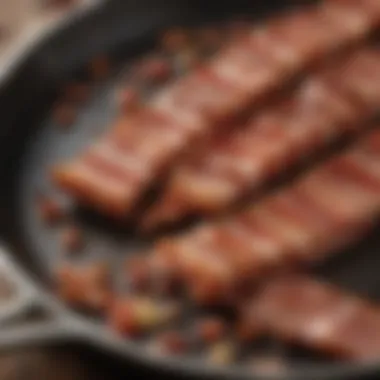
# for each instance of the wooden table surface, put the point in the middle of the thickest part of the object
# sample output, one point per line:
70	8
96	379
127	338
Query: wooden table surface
64	363
46	363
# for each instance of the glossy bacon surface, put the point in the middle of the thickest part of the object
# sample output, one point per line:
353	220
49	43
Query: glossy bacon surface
326	107
302	224
114	173
318	316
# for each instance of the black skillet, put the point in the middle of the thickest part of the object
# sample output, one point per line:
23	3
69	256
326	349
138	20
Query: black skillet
30	143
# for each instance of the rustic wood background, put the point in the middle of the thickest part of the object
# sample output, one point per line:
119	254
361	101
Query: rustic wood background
67	363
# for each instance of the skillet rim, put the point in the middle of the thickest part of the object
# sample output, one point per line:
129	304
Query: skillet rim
101	337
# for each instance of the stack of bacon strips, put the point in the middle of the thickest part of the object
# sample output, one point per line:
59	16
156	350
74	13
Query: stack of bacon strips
114	173
314	315
304	223
326	107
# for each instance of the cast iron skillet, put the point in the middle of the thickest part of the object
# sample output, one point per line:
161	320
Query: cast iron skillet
30	143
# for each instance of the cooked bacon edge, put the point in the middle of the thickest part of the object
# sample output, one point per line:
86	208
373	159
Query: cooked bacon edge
113	174
302	224
328	106
318	316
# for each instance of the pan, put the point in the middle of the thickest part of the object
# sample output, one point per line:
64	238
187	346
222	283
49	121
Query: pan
30	142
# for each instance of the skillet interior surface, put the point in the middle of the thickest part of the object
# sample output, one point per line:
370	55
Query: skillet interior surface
25	170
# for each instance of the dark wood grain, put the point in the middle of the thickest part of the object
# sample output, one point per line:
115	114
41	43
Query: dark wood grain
69	362
41	364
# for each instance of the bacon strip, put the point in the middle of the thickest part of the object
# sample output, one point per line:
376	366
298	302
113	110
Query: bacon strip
247	70
323	109
302	224
318	316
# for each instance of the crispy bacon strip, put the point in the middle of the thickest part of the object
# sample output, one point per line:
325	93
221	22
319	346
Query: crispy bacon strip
318	316
323	109
112	174
302	224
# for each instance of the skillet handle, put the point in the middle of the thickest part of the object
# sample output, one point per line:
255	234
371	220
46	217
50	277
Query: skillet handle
28	315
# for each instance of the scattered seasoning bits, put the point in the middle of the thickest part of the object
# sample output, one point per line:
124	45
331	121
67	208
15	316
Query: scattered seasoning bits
137	315
211	330
50	210
76	92
65	114
269	365
86	286
175	39
72	239
222	353
128	99
169	342
100	68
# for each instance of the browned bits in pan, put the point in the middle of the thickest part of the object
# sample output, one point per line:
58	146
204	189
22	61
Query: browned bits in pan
222	353
49	209
154	70
132	316
65	114
85	287
100	67
211	330
76	92
248	330
72	239
174	40
170	342
138	273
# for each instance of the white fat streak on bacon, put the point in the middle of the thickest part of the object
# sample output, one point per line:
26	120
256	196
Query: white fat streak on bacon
201	190
303	33
284	55
198	257
295	238
319	327
343	201
361	168
151	141
352	19
360	77
339	205
196	100
260	249
250	248
108	193
303	307
318	99
194	104
166	102
247	68
122	159
265	146
368	165
316	116
319	316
